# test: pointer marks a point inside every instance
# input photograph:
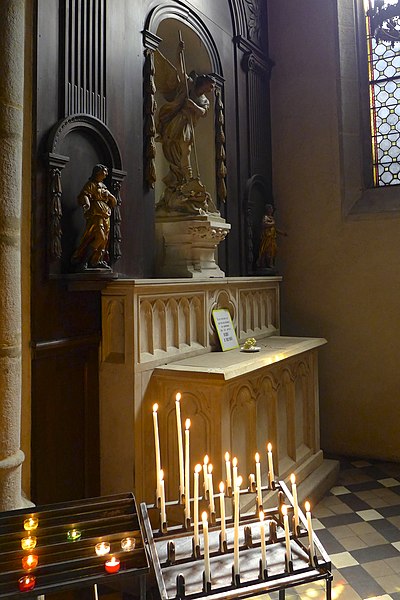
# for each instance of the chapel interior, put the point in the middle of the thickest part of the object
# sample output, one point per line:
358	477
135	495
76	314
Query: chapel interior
86	353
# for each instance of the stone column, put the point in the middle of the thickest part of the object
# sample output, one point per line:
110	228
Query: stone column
11	129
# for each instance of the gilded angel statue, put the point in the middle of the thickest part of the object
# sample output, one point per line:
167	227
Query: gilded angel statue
186	103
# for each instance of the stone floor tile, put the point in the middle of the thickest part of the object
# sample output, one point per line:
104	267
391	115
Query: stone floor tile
352	543
378	568
390	583
343	559
389	482
369	515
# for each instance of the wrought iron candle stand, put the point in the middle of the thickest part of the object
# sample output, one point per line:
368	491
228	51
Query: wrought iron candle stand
179	565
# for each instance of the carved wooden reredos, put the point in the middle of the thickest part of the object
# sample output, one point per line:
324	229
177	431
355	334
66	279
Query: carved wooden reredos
94	97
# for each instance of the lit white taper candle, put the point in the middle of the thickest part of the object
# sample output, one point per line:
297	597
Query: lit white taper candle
207	566
234	472
295	502
258	480
157	449
163	513
180	443
236	521
287	532
197	471
270	465
310	532
263	545
187	470
205	473
222	510
211	489
228	470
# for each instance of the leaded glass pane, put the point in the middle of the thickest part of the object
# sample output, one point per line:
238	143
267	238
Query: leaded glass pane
384	94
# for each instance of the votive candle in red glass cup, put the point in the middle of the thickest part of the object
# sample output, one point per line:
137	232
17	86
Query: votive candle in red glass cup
112	565
26	583
30	562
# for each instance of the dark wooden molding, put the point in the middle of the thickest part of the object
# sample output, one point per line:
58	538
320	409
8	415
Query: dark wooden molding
83	30
51	347
190	19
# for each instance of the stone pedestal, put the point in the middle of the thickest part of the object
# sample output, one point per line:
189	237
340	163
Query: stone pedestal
187	246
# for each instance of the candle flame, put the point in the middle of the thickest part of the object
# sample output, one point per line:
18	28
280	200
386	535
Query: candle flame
293	478
178	397
307	506
257	457
197	468
284	510
161	474
221	487
234	461
187	424
204	517
206	459
239	481
261	513
227	456
155	408
210	468
269	447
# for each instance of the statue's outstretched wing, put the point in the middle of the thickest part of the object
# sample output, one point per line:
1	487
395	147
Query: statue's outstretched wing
166	76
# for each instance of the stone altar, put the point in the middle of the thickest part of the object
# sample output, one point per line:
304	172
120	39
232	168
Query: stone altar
158	339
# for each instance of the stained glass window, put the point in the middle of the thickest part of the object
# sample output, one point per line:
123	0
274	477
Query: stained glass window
384	97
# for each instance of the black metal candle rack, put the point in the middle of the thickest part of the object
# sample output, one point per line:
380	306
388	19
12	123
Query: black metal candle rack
179	566
63	564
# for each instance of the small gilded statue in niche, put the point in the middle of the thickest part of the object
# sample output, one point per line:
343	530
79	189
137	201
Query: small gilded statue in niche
186	102
97	204
268	240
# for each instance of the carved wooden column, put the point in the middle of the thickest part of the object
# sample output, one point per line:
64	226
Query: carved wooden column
11	127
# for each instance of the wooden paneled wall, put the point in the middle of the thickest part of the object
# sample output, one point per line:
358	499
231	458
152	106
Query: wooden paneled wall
90	57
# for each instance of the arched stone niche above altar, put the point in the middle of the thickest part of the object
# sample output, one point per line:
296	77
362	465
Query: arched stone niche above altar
184	142
196	59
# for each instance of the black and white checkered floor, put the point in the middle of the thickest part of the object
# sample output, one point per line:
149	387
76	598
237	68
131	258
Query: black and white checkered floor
358	522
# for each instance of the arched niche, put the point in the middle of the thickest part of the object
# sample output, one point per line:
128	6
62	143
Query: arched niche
74	146
197	59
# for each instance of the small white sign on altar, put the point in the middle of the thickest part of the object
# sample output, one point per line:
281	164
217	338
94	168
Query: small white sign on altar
225	329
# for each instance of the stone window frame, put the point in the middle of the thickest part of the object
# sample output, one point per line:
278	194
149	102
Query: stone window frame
360	198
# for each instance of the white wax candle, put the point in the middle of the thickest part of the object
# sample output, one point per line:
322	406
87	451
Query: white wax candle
211	489
207	566
263	545
310	532
270	465
157	449
295	502
180	444
228	470
287	532
222	510
163	513
236	567
96	595
197	470
258	480
235	472
205	473
187	470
